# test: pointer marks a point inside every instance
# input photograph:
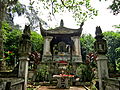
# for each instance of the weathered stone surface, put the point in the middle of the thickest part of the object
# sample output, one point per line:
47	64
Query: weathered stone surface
24	51
11	84
101	49
47	45
77	59
111	84
47	59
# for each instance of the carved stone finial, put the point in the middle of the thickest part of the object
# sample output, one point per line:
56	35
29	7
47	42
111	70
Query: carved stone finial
26	32
98	31
61	23
25	44
27	29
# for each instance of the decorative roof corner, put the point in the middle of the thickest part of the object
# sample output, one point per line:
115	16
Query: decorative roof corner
42	29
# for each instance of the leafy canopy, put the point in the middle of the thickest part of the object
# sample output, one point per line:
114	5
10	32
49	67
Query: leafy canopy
81	9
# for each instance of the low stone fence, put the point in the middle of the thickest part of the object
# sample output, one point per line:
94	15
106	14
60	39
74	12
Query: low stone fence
11	84
111	84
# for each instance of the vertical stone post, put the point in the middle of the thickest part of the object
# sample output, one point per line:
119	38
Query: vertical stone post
102	69
47	45
101	49
77	47
24	51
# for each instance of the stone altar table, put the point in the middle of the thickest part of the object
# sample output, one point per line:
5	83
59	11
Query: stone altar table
62	80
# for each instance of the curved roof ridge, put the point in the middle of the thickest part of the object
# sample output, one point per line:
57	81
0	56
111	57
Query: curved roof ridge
61	30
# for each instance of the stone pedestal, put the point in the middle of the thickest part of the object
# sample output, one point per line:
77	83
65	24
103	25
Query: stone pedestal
102	69
23	70
62	82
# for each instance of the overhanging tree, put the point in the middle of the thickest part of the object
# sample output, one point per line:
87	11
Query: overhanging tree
80	10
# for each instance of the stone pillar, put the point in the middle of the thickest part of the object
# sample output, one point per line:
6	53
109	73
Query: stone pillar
76	40
77	47
24	51
47	45
102	69
23	69
101	49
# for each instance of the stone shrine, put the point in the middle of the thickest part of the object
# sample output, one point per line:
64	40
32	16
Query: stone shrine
61	49
61	43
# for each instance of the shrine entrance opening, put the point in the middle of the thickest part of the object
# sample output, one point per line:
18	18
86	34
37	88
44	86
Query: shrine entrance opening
61	46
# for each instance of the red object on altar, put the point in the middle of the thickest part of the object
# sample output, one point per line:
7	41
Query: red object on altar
63	62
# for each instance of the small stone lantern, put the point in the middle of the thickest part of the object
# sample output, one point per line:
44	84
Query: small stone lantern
100	44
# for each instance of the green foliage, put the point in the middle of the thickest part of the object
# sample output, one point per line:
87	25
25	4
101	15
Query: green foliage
85	72
117	50
37	41
1	59
30	88
115	7
117	26
10	2
87	42
82	10
17	8
118	65
11	37
113	41
11	42
42	73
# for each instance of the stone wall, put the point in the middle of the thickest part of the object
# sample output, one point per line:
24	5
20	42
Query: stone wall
11	84
111	84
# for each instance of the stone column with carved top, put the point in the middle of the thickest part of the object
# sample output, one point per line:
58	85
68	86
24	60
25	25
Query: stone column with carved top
77	48
24	51
101	49
47	41
47	56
